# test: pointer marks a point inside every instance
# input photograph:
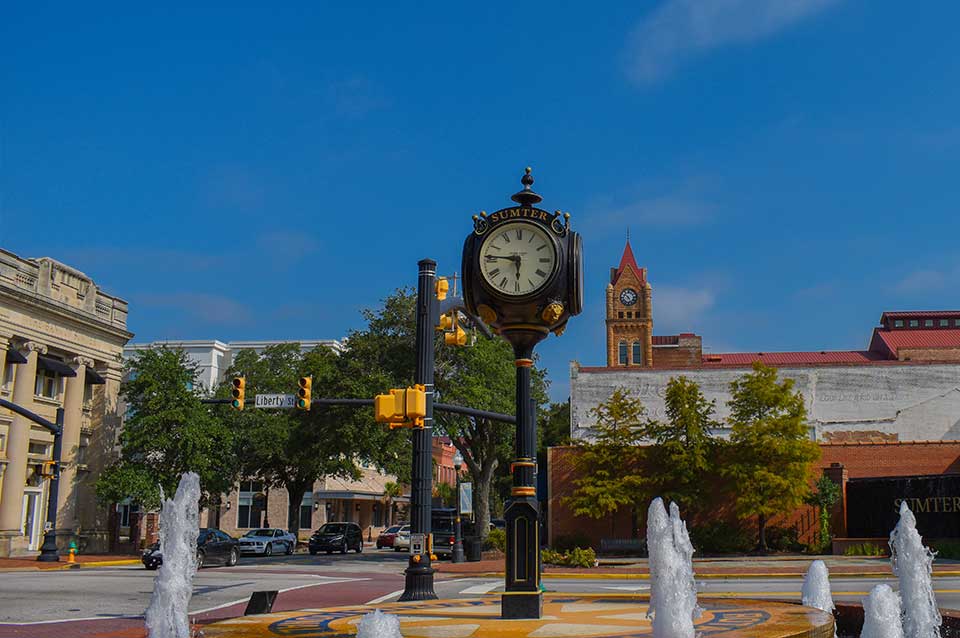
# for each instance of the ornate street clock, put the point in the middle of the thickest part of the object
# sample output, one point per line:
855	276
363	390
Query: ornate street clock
523	275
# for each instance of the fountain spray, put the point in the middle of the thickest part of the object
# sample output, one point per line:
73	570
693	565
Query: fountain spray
673	592
913	566
881	614
166	616
816	588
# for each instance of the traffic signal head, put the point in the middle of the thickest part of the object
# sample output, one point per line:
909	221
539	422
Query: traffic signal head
403	407
304	393
239	392
457	337
443	286
48	469
446	323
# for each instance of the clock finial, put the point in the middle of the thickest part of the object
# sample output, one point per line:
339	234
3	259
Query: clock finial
526	197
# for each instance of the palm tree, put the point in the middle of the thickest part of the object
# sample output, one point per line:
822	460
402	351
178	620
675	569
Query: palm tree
391	491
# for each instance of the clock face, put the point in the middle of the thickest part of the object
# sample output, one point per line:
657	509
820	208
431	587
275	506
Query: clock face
517	258
628	297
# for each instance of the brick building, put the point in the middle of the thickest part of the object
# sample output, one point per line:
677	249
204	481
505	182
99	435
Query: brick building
904	386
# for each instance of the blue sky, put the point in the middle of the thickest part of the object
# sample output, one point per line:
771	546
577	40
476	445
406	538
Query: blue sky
787	168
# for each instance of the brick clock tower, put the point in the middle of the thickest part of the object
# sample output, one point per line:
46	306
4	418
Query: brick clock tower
629	314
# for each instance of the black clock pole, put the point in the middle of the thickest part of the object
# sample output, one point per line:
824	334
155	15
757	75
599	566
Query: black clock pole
418	584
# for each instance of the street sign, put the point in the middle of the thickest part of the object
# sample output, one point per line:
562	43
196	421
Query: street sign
285	401
418	543
466	498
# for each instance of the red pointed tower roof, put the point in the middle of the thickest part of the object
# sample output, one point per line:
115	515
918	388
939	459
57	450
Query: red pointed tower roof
627	260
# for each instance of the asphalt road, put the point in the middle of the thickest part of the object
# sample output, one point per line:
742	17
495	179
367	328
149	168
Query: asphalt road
91	601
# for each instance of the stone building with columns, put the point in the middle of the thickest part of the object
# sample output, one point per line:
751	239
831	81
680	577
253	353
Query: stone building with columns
61	338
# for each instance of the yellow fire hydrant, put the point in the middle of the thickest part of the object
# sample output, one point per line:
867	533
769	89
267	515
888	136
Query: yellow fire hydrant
73	552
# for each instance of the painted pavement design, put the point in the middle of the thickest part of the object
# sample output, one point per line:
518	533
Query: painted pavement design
564	616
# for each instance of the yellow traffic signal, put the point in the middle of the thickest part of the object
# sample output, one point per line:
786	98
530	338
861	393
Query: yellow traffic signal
457	337
403	407
446	323
239	392
442	287
303	394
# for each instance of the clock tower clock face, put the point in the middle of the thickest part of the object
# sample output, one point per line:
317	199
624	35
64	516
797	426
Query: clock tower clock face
628	297
517	258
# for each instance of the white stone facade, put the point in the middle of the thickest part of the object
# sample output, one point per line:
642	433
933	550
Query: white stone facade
912	401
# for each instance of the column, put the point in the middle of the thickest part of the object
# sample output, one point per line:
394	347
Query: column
18	443
4	343
72	420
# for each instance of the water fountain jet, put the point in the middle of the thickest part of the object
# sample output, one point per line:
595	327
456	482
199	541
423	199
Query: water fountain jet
912	564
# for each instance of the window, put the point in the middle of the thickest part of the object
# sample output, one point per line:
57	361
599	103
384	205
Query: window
306	511
623	353
87	393
928	323
956	323
898	323
38	449
48	384
944	323
7	382
620	315
125	510
914	323
3	442
250	504
629	314
637	355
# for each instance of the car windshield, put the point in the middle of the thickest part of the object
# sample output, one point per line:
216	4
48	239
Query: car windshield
393	530
333	528
443	525
259	532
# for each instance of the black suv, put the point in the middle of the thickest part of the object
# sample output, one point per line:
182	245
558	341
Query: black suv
336	537
213	547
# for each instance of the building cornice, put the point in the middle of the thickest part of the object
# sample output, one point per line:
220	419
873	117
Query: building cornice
75	316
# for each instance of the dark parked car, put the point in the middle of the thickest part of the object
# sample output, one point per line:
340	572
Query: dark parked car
336	537
441	523
387	536
213	548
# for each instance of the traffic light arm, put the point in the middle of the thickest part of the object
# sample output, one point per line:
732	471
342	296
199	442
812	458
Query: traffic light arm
455	304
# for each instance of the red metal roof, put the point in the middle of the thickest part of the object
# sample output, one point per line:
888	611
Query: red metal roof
892	340
628	260
728	359
920	314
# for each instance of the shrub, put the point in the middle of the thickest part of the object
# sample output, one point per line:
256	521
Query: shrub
496	539
576	557
783	539
864	549
566	542
947	549
719	537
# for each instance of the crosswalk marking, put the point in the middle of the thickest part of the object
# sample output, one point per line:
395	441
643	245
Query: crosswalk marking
482	588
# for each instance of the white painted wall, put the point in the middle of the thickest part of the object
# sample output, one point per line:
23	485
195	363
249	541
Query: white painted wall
917	402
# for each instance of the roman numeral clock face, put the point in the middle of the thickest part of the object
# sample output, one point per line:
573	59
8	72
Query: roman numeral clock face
517	258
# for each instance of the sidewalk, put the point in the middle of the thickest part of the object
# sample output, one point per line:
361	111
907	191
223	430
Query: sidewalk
85	560
737	566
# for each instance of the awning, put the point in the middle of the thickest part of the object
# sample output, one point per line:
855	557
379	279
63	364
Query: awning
14	356
94	378
55	365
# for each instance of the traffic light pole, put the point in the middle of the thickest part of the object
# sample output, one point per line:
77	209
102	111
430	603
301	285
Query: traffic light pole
48	551
419	573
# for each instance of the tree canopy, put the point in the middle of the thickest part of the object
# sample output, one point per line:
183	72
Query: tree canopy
772	452
167	432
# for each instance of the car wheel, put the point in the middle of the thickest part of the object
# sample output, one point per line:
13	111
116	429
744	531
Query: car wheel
152	566
268	551
200	558
329	551
396	549
289	549
313	552
360	547
234	558
343	548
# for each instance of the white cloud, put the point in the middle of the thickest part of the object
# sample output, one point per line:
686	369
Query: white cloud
662	211
679	309
928	280
208	308
679	29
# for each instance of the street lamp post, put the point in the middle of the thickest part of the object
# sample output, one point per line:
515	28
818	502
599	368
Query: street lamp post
457	556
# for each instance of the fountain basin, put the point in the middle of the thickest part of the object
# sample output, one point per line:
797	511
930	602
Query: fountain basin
564	616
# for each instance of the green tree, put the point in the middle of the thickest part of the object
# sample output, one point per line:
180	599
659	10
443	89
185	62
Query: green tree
683	449
292	449
391	491
167	432
555	425
608	467
444	493
772	452
480	376
825	496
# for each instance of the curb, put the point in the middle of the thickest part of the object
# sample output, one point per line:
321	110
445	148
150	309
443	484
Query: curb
64	565
608	576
